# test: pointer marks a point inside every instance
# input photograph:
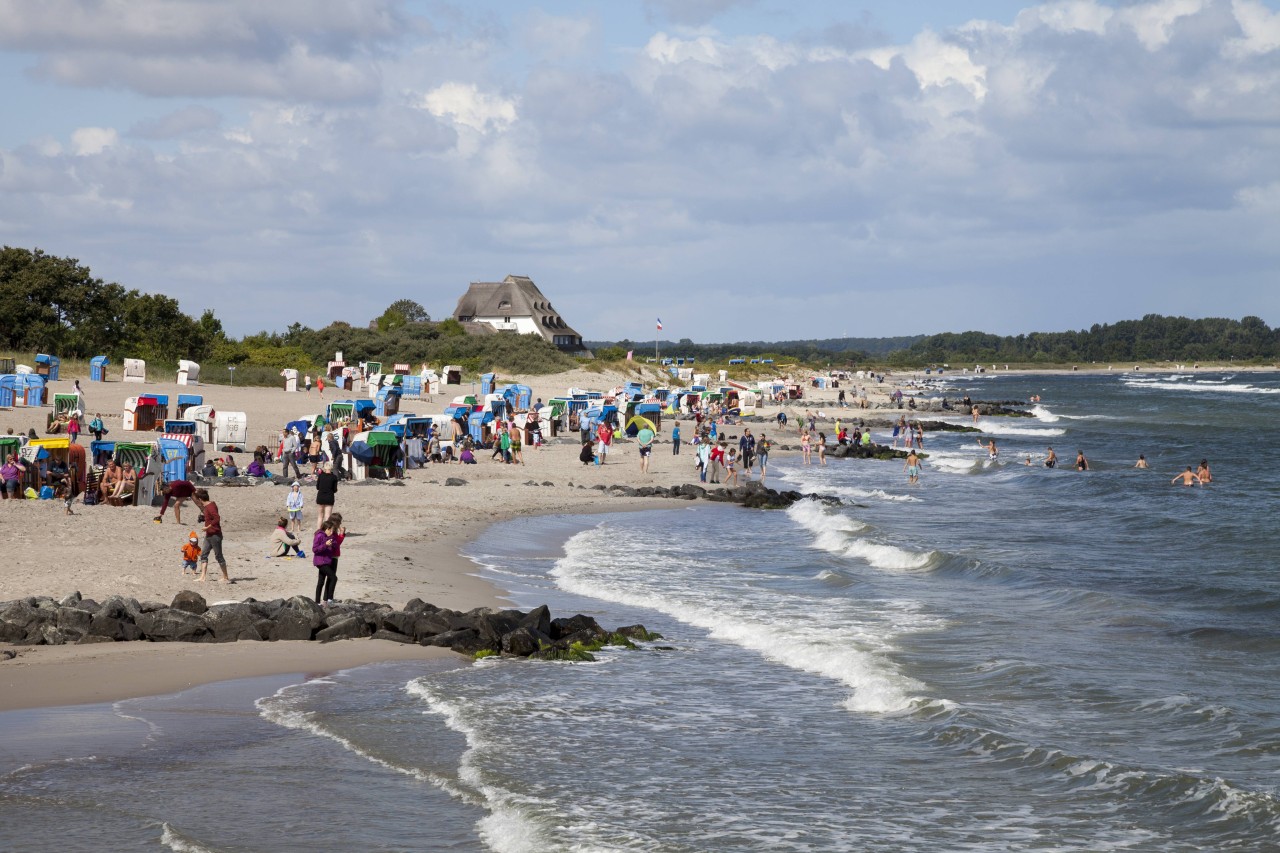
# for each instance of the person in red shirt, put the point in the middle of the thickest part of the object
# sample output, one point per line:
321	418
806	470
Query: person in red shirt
212	535
176	491
605	435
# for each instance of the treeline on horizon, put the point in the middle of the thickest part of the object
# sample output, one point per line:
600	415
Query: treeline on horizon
55	305
1153	338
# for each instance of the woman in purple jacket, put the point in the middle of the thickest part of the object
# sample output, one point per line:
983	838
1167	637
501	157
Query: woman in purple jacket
326	548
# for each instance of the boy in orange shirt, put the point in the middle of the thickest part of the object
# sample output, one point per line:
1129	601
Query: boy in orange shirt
190	553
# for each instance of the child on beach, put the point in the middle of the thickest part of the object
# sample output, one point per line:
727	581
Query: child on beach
293	503
190	553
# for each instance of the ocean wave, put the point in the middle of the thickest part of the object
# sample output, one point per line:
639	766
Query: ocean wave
1044	415
870	494
1214	800
1229	388
506	829
834	533
179	843
787	632
994	426
281	709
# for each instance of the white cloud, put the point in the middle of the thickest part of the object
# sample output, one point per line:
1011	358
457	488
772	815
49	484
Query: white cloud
466	105
93	140
470	148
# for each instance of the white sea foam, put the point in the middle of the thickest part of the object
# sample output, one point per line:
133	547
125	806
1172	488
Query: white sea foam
834	533
1043	414
280	709
1002	426
869	494
1231	388
950	463
506	829
179	843
831	645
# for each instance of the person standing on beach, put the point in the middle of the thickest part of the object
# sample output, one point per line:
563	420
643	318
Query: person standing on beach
645	436
307	383
605	435
675	439
806	449
293	506
326	493
320	385
96	427
73	428
289	449
326	548
212	536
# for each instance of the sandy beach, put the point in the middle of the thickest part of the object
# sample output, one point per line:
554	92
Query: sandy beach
403	541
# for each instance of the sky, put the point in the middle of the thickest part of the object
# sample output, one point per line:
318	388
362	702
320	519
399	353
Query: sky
741	169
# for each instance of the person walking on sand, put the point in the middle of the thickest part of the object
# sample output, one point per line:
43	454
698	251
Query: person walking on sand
326	549
912	467
1187	477
306	383
320	385
212	536
763	446
675	439
96	427
289	449
326	493
73	427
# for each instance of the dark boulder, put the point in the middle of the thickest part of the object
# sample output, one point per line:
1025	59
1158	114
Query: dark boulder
189	601
523	642
398	621
229	621
74	619
538	619
172	626
579	624
454	481
350	628
393	636
291	624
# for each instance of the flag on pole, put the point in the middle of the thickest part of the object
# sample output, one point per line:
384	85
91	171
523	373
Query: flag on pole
659	324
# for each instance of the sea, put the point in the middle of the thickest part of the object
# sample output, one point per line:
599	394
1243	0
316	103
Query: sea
1001	657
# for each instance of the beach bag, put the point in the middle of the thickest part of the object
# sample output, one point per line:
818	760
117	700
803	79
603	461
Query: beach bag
30	494
46	493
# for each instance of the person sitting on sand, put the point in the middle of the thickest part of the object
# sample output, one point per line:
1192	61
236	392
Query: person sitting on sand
229	468
210	469
282	541
1187	477
256	468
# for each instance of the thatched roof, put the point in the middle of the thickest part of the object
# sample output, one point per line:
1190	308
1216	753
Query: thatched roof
514	296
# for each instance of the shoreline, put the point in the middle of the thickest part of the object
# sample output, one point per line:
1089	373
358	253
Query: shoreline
70	675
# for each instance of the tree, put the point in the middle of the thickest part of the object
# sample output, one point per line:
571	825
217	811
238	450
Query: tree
410	310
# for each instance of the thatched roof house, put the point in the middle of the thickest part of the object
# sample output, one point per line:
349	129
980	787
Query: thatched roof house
515	304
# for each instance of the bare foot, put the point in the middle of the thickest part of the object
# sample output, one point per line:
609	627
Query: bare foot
225	580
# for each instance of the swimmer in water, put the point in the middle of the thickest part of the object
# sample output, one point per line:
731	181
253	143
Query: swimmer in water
992	452
1082	464
1202	473
1187	477
1142	462
1051	461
